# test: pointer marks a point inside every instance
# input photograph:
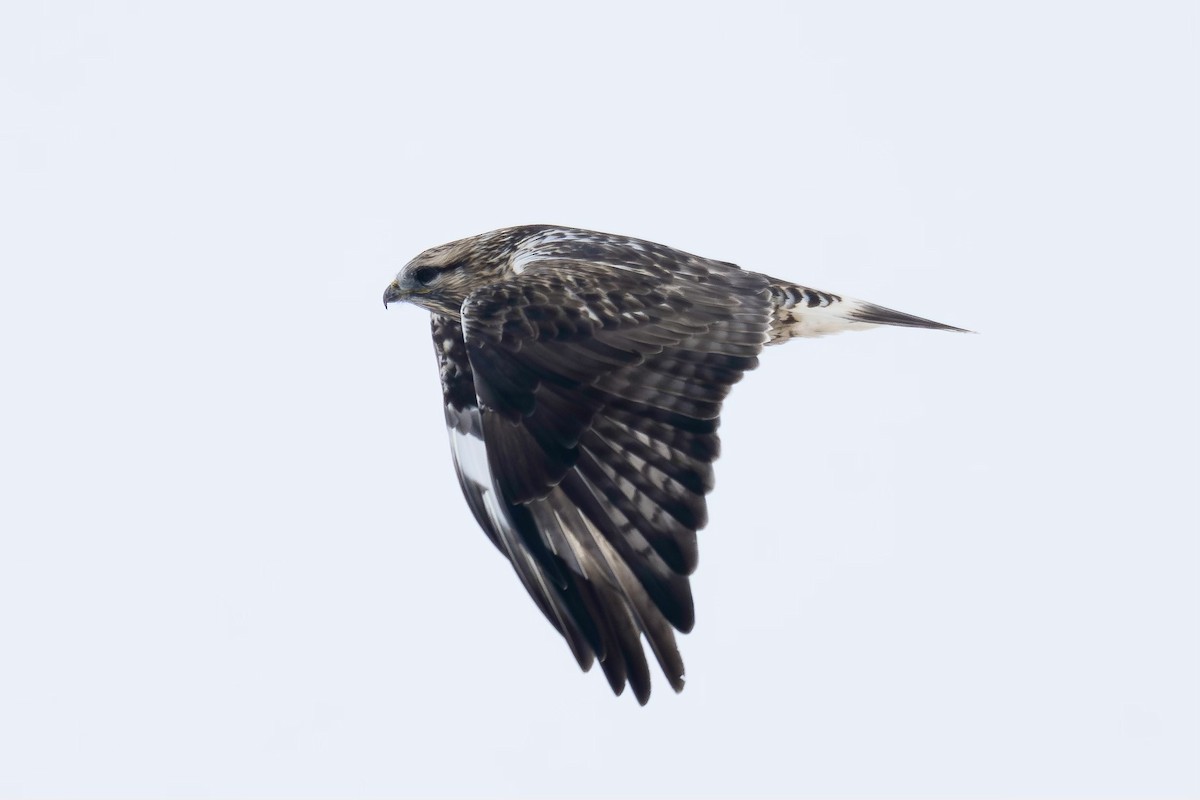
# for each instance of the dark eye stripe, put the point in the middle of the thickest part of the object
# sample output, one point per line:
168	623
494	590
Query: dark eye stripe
426	275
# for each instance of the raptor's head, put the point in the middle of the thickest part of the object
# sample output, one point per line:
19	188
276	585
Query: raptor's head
440	279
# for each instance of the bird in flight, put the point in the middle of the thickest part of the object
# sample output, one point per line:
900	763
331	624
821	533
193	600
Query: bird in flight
583	375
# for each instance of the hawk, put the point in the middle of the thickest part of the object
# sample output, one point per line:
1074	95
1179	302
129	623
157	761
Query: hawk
583	375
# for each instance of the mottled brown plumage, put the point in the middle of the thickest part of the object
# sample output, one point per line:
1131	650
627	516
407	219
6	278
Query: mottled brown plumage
583	376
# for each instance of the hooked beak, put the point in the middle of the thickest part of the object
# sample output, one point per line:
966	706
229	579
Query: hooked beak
393	293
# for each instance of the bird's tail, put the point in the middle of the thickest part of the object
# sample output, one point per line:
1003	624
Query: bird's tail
801	311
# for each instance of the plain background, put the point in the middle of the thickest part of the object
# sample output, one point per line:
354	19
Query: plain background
234	560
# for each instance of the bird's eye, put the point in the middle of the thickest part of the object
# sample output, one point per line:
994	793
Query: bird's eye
425	275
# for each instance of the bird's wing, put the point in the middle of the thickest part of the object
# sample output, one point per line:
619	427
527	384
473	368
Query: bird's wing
598	393
508	525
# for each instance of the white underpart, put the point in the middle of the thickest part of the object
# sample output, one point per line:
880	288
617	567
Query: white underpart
824	320
471	457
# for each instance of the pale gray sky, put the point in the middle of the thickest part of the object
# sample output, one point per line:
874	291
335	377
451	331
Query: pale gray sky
234	561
